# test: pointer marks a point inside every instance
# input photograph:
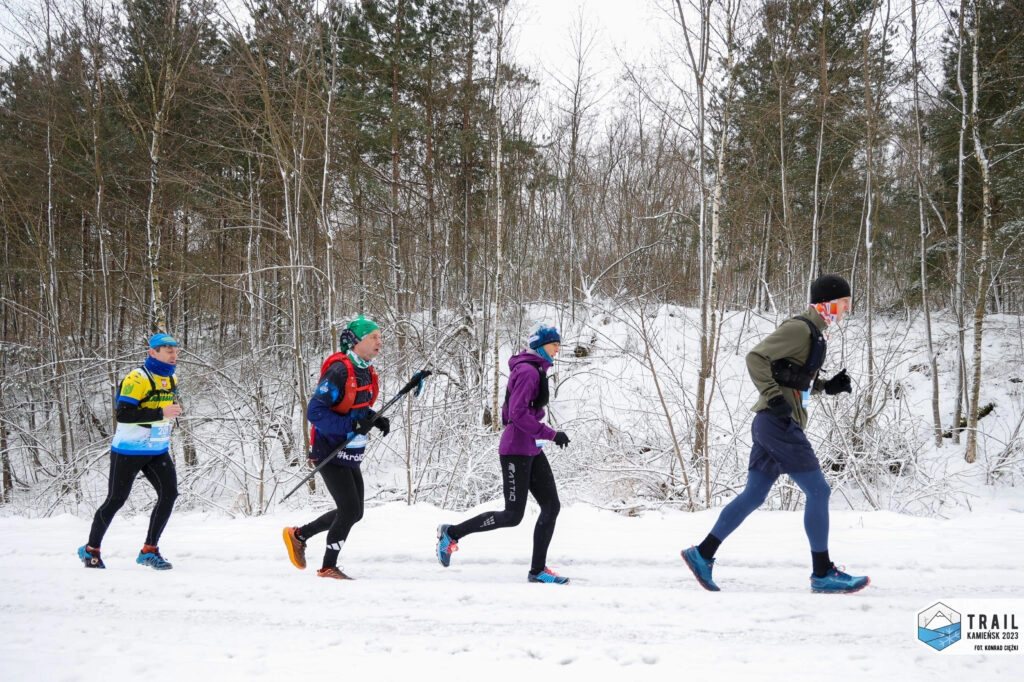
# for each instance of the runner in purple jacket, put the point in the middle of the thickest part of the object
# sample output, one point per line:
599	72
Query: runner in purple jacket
524	466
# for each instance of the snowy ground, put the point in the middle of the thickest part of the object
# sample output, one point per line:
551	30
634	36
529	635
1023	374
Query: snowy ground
234	608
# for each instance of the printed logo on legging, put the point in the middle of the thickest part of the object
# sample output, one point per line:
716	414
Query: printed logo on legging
511	482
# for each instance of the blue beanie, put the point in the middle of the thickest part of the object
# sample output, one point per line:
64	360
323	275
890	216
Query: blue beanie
544	335
158	340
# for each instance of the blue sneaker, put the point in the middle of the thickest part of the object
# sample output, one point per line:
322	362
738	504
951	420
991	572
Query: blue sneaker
154	560
837	582
701	568
547	576
445	545
90	557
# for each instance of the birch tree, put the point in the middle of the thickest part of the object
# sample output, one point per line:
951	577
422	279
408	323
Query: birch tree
981	155
698	42
922	213
499	256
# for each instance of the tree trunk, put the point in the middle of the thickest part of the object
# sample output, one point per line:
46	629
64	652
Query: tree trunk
499	257
922	217
984	265
959	289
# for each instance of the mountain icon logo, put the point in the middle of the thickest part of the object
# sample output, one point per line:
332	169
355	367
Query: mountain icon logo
938	626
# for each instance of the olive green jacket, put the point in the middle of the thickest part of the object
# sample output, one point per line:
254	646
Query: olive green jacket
792	340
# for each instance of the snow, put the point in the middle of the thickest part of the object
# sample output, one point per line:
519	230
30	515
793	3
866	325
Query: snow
234	608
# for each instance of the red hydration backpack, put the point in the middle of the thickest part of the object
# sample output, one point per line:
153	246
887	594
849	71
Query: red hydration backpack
352	388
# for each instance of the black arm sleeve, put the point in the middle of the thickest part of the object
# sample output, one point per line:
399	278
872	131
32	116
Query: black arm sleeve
133	414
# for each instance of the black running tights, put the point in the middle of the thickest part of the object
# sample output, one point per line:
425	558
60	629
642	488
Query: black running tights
345	484
159	471
521	474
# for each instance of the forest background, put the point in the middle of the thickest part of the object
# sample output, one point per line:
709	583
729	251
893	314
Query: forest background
250	185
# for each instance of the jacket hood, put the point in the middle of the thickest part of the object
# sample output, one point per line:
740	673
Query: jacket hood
530	357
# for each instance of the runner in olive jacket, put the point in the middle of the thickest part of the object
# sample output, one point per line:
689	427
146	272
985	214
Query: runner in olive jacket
784	368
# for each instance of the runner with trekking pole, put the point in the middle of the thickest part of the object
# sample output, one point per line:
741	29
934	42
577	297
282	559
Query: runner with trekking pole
341	417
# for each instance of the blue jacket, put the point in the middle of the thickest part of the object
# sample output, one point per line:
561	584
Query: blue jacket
332	428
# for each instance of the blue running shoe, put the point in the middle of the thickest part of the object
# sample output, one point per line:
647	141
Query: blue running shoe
445	545
701	568
154	560
837	582
90	557
547	576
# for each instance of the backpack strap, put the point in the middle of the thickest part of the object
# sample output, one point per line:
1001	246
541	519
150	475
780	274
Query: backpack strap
152	383
543	394
816	358
351	388
801	377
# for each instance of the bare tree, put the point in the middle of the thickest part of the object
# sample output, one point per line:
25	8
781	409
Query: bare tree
871	106
923	218
699	50
984	265
577	89
499	257
959	287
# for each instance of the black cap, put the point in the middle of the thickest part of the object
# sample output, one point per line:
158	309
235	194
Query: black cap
829	288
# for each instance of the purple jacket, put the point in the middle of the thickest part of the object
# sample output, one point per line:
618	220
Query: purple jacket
524	425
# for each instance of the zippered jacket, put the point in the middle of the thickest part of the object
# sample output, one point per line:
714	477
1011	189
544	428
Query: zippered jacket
524	424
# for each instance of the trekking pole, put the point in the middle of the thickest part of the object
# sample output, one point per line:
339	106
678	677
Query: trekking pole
415	382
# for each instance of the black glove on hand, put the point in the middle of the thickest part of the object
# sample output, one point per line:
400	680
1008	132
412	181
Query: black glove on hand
383	425
779	407
362	426
561	440
840	383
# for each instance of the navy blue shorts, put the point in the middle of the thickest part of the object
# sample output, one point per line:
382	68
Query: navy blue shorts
780	446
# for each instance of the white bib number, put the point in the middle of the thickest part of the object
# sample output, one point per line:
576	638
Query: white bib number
160	433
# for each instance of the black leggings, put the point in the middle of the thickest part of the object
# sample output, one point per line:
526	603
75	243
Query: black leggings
345	484
521	474
159	471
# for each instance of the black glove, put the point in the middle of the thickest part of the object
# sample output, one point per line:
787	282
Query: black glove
383	425
561	440
779	407
362	426
840	383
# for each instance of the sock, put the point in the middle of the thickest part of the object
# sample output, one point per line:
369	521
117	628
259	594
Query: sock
331	555
149	549
708	548
821	563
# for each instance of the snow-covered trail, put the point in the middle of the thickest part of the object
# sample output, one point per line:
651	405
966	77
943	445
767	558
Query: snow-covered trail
234	608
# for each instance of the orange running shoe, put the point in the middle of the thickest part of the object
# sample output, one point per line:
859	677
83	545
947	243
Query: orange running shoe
332	572
296	547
